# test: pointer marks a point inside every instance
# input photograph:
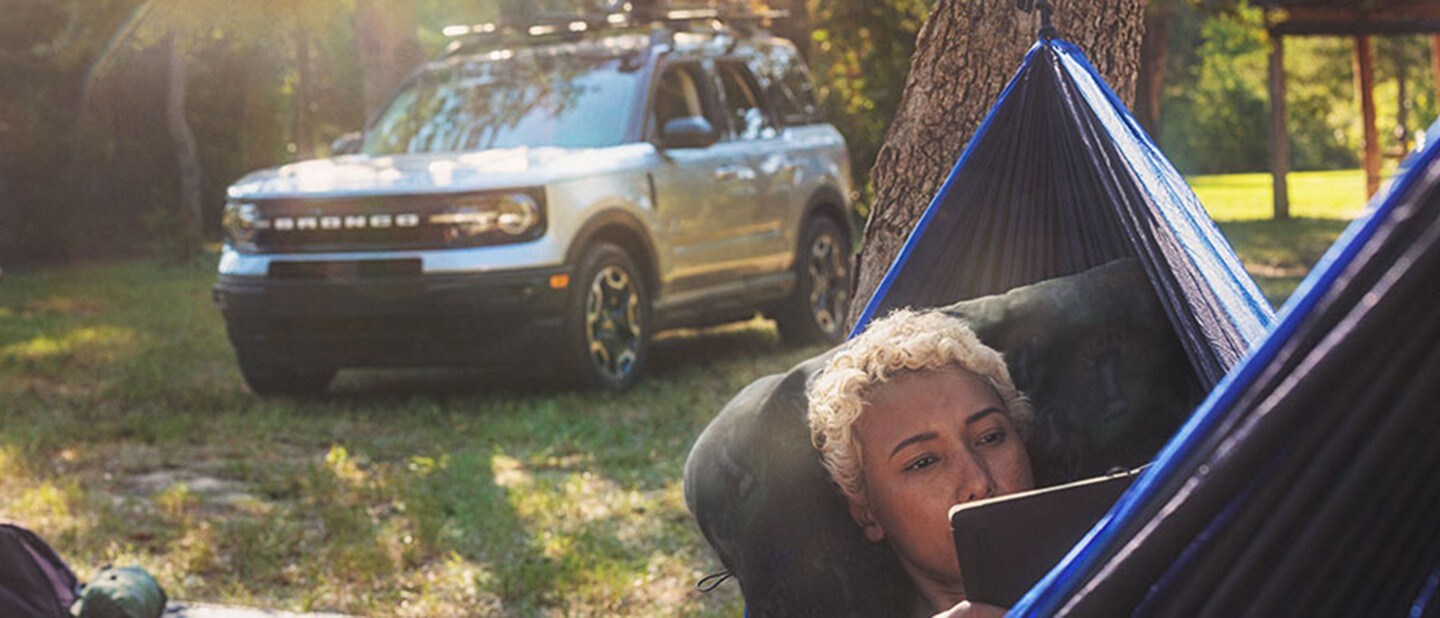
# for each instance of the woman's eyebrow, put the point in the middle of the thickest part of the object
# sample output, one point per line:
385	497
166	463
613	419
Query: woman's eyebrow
919	437
982	414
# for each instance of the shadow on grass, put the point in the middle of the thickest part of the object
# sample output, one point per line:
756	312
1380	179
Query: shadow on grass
672	353
1278	254
1295	243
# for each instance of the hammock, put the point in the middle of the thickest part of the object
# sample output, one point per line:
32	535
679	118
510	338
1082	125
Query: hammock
1309	480
1275	491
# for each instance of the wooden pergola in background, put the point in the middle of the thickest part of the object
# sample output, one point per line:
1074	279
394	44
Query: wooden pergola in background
1359	19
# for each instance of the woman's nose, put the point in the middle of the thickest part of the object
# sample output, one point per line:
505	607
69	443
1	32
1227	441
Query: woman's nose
975	481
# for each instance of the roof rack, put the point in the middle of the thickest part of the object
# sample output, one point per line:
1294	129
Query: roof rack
631	15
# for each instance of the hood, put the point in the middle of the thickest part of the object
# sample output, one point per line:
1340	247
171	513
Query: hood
358	175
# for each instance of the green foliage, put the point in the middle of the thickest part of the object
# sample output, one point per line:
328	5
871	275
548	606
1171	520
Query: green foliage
860	55
1215	103
88	168
1215	111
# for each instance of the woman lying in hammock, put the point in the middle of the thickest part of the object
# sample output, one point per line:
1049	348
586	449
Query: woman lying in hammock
911	417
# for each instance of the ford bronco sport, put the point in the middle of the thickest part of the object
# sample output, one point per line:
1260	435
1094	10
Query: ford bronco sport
549	198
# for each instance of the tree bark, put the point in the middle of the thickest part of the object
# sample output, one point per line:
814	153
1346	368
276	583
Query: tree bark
388	49
302	124
964	55
186	152
1154	53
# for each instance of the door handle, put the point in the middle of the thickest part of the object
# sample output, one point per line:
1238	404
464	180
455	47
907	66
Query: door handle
734	172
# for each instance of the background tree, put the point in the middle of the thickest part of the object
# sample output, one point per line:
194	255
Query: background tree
388	48
860	55
89	170
965	53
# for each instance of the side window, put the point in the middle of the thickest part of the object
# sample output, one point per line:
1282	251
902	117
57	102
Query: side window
791	88
679	94
744	108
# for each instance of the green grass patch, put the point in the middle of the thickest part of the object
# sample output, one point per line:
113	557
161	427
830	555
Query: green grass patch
1316	195
126	436
1278	254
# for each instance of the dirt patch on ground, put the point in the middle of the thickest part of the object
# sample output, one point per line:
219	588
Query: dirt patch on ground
211	491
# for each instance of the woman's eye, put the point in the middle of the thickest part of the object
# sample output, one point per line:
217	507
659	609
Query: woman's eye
921	463
991	438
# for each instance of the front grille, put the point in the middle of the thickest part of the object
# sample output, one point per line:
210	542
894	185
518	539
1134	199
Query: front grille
301	226
382	223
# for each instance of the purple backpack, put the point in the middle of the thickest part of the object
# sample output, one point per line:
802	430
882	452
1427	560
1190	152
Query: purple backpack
34	581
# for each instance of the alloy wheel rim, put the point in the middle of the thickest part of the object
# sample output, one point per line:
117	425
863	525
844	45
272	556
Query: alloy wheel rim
613	327
829	283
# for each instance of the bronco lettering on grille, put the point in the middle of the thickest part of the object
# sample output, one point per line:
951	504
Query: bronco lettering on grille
349	222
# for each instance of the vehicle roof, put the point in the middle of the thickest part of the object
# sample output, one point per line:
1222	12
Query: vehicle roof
619	42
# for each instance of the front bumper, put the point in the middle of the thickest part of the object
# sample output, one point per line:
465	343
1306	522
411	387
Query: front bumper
510	319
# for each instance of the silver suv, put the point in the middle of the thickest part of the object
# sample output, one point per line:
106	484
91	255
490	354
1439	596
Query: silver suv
548	200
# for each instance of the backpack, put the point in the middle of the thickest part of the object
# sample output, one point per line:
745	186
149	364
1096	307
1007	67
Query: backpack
34	581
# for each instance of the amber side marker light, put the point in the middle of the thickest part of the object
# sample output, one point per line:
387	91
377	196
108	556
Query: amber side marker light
559	282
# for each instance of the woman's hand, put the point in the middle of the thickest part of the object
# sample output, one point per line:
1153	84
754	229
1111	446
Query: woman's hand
967	609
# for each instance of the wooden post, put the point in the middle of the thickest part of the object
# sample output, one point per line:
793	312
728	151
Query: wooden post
1365	83
1279	138
1435	60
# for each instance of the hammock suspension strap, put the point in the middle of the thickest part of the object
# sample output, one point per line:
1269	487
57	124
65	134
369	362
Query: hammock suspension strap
1047	27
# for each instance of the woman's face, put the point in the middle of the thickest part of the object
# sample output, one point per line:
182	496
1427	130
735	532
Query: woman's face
930	440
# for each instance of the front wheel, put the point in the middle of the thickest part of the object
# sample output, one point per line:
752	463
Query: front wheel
607	320
816	311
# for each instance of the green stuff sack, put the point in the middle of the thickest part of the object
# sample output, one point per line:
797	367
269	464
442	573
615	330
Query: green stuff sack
124	592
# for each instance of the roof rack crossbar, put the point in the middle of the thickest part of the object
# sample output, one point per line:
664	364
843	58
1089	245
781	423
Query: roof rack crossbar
571	26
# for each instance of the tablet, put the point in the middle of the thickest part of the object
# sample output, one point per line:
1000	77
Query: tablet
1006	544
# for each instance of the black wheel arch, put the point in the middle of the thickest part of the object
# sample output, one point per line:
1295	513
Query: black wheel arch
828	202
628	232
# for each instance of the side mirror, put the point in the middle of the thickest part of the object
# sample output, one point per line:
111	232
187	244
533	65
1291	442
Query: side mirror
347	144
688	132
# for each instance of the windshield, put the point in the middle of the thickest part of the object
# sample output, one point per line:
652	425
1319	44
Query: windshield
509	99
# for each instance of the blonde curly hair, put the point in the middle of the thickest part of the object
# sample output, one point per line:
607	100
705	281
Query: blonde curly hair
904	341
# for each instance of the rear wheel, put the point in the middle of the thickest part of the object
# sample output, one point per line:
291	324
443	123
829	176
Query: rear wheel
816	310
272	380
607	320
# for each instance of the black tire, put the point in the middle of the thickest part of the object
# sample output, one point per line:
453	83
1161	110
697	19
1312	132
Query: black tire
270	380
816	311
607	320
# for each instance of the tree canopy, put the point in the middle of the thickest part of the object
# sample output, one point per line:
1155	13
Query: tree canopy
91	166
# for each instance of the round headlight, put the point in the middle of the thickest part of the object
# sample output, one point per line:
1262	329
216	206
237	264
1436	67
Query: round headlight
518	213
240	222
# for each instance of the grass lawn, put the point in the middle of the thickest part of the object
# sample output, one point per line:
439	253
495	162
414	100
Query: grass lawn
127	437
1279	253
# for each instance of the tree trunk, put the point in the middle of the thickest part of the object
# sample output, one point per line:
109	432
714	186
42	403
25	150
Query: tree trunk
186	151
388	49
1154	53
302	126
964	55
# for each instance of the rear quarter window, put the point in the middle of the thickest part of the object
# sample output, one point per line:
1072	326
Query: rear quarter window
788	85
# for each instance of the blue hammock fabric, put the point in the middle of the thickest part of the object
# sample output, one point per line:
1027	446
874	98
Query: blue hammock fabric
1309	481
1058	179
